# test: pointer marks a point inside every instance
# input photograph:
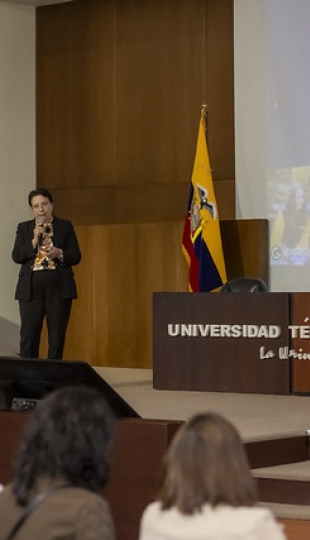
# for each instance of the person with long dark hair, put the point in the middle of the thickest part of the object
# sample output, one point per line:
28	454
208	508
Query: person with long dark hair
62	463
206	489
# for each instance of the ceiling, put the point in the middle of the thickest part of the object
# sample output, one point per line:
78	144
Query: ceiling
36	2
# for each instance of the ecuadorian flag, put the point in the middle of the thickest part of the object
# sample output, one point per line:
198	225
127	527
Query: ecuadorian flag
201	242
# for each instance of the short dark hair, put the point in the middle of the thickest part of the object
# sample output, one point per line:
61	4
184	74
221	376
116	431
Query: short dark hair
68	436
39	191
206	463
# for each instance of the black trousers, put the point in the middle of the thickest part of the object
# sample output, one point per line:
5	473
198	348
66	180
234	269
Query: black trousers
45	303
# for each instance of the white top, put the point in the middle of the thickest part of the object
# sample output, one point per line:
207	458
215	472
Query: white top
220	523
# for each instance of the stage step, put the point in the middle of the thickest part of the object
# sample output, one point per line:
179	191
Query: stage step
289	511
287	484
290	471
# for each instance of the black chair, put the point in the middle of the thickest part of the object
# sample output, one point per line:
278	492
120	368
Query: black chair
245	284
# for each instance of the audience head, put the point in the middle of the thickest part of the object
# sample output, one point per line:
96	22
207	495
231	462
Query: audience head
206	463
68	437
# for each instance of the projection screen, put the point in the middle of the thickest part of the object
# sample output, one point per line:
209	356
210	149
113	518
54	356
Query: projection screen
272	129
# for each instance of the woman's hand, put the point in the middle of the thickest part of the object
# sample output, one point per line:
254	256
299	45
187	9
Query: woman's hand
53	252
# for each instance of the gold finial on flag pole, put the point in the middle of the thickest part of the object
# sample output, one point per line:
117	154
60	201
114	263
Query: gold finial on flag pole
204	108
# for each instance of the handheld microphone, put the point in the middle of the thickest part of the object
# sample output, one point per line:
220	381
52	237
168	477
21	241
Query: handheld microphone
40	235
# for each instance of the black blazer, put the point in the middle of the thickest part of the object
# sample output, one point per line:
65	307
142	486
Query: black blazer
65	238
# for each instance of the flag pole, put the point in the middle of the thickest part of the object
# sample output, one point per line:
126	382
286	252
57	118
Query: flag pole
204	115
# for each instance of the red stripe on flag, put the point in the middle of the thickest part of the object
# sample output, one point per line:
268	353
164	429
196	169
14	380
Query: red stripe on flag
190	254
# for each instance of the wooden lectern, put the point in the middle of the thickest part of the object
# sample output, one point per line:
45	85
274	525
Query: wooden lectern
221	342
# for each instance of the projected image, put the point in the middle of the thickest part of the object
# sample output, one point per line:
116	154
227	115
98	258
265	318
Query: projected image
289	216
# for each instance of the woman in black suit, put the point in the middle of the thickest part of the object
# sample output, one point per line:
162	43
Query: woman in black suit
47	248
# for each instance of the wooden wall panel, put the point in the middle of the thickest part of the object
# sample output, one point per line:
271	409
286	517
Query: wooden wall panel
75	81
129	263
136	204
160	88
119	91
120	87
246	248
219	87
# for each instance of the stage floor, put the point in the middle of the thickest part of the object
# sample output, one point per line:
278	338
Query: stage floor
257	416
